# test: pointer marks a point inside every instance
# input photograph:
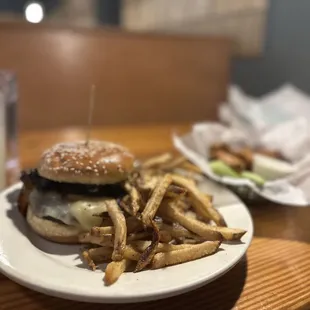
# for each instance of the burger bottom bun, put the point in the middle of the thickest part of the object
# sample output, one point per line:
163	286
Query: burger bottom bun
52	231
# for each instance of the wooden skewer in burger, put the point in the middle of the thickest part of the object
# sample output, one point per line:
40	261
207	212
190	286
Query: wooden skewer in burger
73	185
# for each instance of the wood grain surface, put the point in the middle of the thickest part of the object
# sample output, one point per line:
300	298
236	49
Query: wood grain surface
140	78
275	273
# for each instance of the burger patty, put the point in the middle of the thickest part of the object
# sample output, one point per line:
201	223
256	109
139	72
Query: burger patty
32	178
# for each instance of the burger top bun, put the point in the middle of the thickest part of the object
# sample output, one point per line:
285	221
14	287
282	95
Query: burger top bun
98	162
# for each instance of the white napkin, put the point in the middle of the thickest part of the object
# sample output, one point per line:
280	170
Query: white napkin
286	103
279	121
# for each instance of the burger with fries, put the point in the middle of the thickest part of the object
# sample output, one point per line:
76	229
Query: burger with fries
72	187
145	216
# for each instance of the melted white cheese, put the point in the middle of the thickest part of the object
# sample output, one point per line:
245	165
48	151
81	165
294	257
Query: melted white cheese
80	213
87	212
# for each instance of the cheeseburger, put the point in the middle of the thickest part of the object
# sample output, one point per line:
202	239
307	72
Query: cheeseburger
68	192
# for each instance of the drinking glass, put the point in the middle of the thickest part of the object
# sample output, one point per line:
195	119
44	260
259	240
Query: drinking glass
9	163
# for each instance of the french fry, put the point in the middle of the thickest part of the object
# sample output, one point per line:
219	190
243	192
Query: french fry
103	254
191	241
157	160
100	255
165	236
114	270
148	254
133	225
195	226
209	197
101	231
131	253
193	252
155	200
87	258
228	234
125	204
176	232
164	247
138	236
120	227
201	204
174	163
135	198
175	192
147	182
161	247
191	214
106	240
191	167
183	204
204	230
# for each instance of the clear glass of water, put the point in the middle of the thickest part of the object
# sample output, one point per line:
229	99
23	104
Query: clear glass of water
9	163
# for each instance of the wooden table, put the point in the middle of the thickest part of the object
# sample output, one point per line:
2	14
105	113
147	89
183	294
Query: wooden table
275	273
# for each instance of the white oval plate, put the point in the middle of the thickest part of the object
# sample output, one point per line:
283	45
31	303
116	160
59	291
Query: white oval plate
57	270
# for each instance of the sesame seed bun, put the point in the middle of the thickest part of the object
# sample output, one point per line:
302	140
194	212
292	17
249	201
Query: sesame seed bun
52	231
98	162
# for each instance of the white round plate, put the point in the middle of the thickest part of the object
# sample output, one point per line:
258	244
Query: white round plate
57	270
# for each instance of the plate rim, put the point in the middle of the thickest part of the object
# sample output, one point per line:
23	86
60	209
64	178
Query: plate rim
17	277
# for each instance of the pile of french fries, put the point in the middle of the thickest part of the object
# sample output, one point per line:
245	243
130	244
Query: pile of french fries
163	220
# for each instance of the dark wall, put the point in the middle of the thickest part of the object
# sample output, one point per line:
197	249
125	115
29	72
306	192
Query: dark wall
287	51
12	5
286	57
17	6
109	12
